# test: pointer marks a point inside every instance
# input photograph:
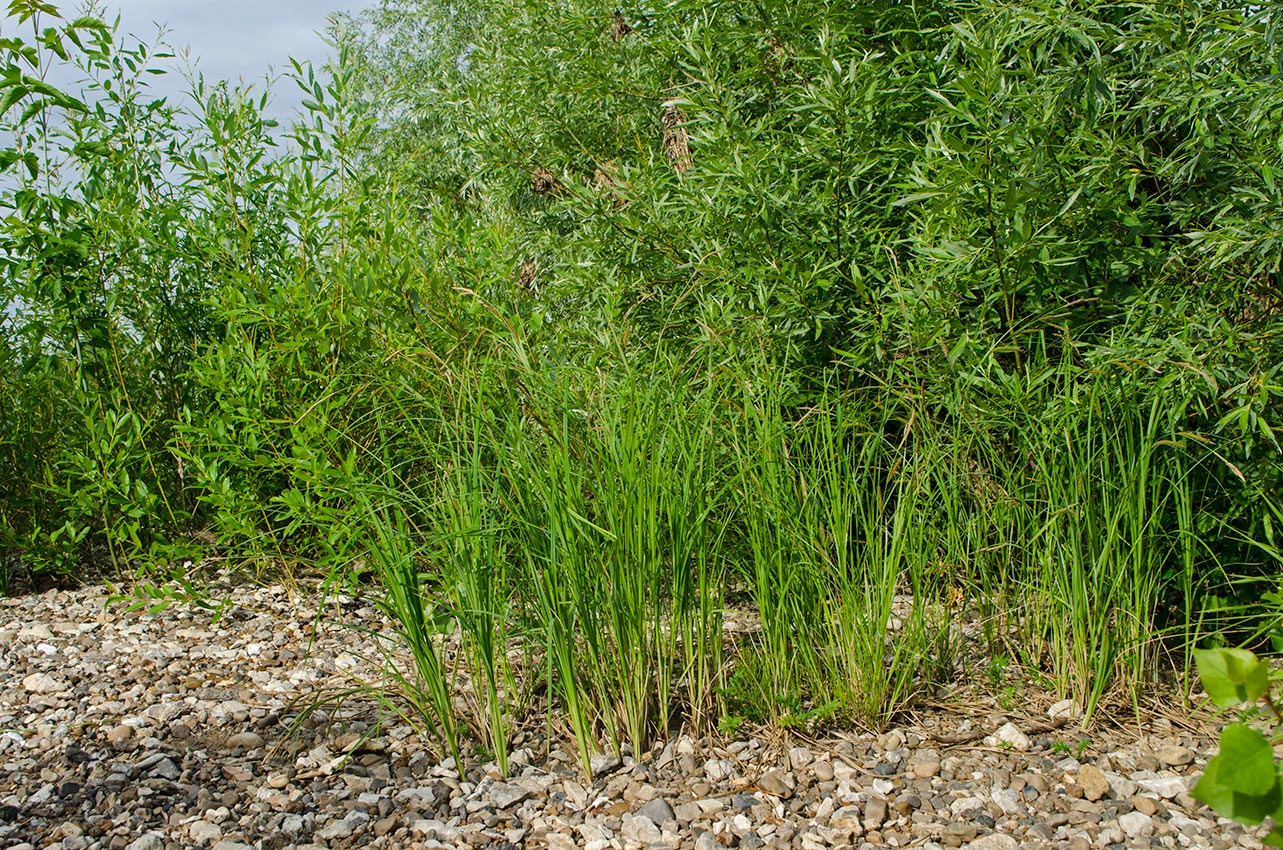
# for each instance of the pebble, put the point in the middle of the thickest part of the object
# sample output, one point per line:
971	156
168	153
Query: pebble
997	841
1066	709
505	794
639	831
1175	756
204	832
776	783
42	683
1093	782
147	841
1167	787
245	741
167	747
1009	735
1136	824
657	811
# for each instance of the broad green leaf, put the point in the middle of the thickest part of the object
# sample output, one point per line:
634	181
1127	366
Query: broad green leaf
1232	676
1247	760
1216	792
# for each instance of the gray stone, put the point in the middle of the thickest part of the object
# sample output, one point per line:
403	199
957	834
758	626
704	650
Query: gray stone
166	769
706	841
147	841
505	794
336	829
800	757
602	764
1123	788
657	811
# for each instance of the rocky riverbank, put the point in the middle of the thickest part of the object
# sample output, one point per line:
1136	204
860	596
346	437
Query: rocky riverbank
129	731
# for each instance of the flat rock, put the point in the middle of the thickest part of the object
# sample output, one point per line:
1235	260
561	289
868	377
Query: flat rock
997	841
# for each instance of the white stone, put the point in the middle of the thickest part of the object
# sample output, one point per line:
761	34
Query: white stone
42	683
203	832
997	841
1136	824
147	841
1011	735
1167	787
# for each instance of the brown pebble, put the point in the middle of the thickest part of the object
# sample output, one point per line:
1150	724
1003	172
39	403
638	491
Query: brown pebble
1145	805
1093	783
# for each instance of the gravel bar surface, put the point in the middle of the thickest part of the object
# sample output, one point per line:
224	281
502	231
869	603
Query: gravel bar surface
131	731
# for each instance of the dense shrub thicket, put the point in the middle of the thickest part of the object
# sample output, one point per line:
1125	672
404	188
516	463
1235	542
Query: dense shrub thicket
574	324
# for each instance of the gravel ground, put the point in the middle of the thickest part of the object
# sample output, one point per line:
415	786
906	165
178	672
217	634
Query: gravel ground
140	732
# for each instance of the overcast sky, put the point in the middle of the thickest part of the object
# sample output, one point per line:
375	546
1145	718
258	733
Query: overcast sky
235	39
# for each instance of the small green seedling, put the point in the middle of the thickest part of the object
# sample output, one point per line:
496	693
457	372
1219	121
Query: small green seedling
1242	781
